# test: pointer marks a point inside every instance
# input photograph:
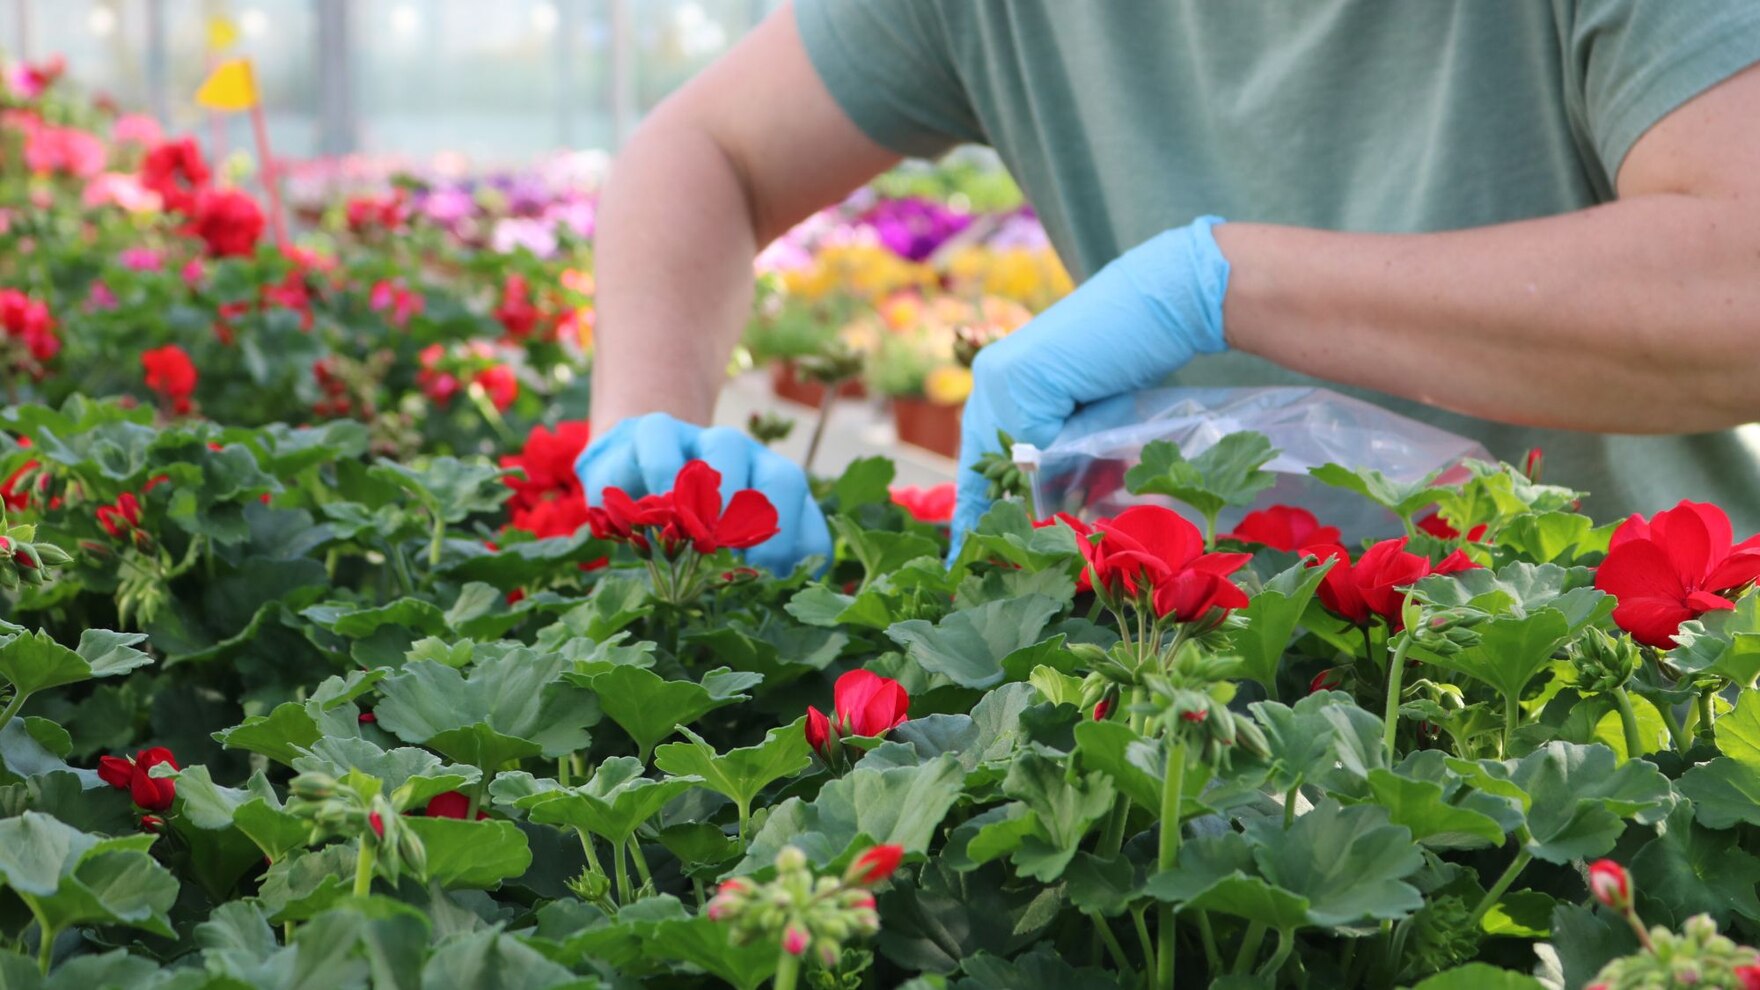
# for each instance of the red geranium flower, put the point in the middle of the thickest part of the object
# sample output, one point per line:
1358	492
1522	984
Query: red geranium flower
863	704
15	494
516	311
874	865
229	222
1434	525
547	496
1375	586
927	505
367	212
1282	527
121	518
171	373
29	322
1150	549
749	519
1677	566
501	385
452	804
131	775
175	170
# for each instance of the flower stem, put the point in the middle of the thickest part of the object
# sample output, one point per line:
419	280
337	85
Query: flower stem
745	819
1396	669
1110	940
437	541
364	862
45	942
587	847
1628	720
1512	711
621	867
1286	943
788	970
635	851
1523	857
1706	710
13	707
1250	943
825	404
1172	789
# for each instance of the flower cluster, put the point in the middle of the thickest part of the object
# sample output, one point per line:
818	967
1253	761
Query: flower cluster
1374	586
863	704
547	496
1697	957
800	911
1677	565
1154	558
926	505
171	375
675	532
28	324
134	775
1282	527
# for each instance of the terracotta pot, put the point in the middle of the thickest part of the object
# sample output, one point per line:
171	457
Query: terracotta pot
928	425
787	383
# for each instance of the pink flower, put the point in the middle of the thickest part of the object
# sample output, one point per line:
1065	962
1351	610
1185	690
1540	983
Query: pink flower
121	190
136	128
1610	884
99	296
66	150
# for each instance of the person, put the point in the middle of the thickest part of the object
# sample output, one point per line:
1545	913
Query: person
1536	223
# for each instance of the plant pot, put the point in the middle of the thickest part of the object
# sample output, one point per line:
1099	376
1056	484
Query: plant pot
786	381
926	424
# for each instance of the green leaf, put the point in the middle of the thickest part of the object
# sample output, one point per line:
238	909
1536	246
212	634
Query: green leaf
1136	765
879	551
864	482
1349	862
1520	914
613	804
706	944
650	707
507	707
1692	870
969	647
1738	731
1554	537
739	773
1217	873
1006	534
446	486
492	958
1422	807
1272	616
1480	976
1107	886
1725	643
1228	473
476	854
1323	737
1402	499
35	662
1723	792
1063	811
69	877
1576	798
901	806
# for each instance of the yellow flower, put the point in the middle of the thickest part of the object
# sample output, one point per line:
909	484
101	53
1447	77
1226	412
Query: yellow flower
948	385
902	310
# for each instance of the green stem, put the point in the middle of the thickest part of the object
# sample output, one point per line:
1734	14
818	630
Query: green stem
1628	720
788	970
745	819
45	942
1209	531
1512	714
587	847
1523	857
435	543
1675	736
1289	802
825	404
1172	790
562	768
287	933
13	707
1706	710
364	862
1112	840
635	851
1286	943
477	795
1250	944
1110	940
621	867
1396	670
1207	933
400	563
1143	939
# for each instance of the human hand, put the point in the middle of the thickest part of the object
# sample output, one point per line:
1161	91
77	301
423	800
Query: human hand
643	455
1139	319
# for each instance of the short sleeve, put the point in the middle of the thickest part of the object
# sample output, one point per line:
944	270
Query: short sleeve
1642	59
887	63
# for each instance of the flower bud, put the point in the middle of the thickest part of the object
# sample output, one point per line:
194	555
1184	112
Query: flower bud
1611	885
312	786
874	865
790	860
795	940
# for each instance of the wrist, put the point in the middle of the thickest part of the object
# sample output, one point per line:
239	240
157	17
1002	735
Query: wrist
1183	276
1254	304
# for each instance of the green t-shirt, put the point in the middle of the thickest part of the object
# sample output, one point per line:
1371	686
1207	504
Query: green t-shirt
1122	118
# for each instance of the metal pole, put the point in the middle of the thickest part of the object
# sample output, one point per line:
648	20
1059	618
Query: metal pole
623	74
22	10
158	63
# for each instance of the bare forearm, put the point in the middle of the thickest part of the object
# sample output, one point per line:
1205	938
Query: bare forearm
674	269
1640	316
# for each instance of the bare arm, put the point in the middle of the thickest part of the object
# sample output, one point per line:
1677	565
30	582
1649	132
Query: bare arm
1638	316
748	148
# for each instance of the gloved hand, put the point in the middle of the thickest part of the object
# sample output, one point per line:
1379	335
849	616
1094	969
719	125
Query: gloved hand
642	456
1138	320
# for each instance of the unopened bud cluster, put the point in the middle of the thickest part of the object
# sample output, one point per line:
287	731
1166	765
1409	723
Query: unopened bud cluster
23	562
800	911
1446	631
1696	958
1603	661
354	808
1190	703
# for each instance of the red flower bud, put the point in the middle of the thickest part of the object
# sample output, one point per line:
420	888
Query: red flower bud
1102	708
376	823
795	940
818	730
1195	716
1327	680
1611	885
874	865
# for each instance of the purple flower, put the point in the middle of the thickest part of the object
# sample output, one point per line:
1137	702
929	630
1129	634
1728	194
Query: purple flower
914	228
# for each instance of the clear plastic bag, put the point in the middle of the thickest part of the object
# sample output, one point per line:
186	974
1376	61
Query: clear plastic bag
1082	472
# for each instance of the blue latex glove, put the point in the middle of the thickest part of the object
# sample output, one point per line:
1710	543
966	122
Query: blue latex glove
1138	320
644	454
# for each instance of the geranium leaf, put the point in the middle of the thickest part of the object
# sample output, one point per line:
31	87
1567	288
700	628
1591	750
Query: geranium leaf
471	854
69	877
901	806
1272	616
1042	967
1689	869
34	662
1400	498
613	803
1576	797
879	551
650	708
1006	534
1229	472
739	773
1064	810
968	647
1480	976
306	884
1724	792
492	958
704	944
1136	765
1420	806
1554	537
1349	862
1217	873
1725	643
515	704
450	488
864	482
